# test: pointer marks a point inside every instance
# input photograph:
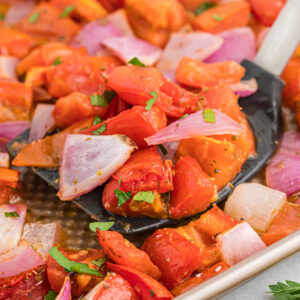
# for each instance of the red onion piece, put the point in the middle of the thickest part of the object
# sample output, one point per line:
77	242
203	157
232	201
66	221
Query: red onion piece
195	125
239	43
10	130
4	159
17	11
88	161
19	260
42	121
128	47
239	243
197	45
245	88
8	66
119	19
65	292
11	227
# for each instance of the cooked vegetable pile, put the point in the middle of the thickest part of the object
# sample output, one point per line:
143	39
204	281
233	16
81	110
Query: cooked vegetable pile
141	97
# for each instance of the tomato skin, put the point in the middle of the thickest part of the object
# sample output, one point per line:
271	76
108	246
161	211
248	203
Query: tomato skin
115	286
112	5
146	171
286	222
195	73
136	123
8	183
176	257
124	253
215	221
81	283
193	189
24	286
132	208
142	283
232	14
205	275
75	107
268	10
134	84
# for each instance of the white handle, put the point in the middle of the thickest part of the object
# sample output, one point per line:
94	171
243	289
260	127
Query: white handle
282	39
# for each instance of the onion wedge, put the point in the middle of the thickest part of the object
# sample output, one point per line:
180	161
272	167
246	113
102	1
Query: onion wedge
4	160
88	161
10	130
65	292
245	88
195	125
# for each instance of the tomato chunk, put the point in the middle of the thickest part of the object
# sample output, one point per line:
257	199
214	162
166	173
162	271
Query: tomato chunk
146	287
8	183
193	189
176	257
124	253
198	74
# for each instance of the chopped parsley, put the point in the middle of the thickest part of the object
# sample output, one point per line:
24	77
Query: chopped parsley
71	266
184	116
136	62
2	16
11	214
34	17
151	101
84	128
101	225
66	12
144	196
57	61
122	196
152	294
163	149
203	7
51	295
97	120
218	18
99	262
120	181
101	129
104	99
209	115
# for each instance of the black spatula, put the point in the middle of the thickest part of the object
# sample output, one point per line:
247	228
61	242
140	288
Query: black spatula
263	110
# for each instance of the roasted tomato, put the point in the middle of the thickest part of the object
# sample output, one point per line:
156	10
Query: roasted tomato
145	171
198	74
146	287
124	253
25	286
115	286
268	10
112	5
205	275
176	257
81	283
75	107
14	42
223	17
45	24
132	208
135	85
85	74
15	101
193	189
136	123
286	222
8	183
215	221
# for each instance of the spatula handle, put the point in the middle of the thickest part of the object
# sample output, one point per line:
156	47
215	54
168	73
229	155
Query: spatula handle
282	39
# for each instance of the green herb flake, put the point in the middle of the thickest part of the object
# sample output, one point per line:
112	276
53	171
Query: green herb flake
84	128
122	196
99	262
288	291
109	95
203	7
71	266
66	12
152	294
209	115
98	100
136	62
2	16
51	295
101	225
120	182
57	61
217	18
144	196
151	101
11	214
184	116
101	129
34	17
163	149
97	120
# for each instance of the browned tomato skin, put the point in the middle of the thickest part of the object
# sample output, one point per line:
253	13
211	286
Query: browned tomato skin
9	180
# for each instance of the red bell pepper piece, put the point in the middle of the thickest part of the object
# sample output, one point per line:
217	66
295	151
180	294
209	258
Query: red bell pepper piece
124	253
